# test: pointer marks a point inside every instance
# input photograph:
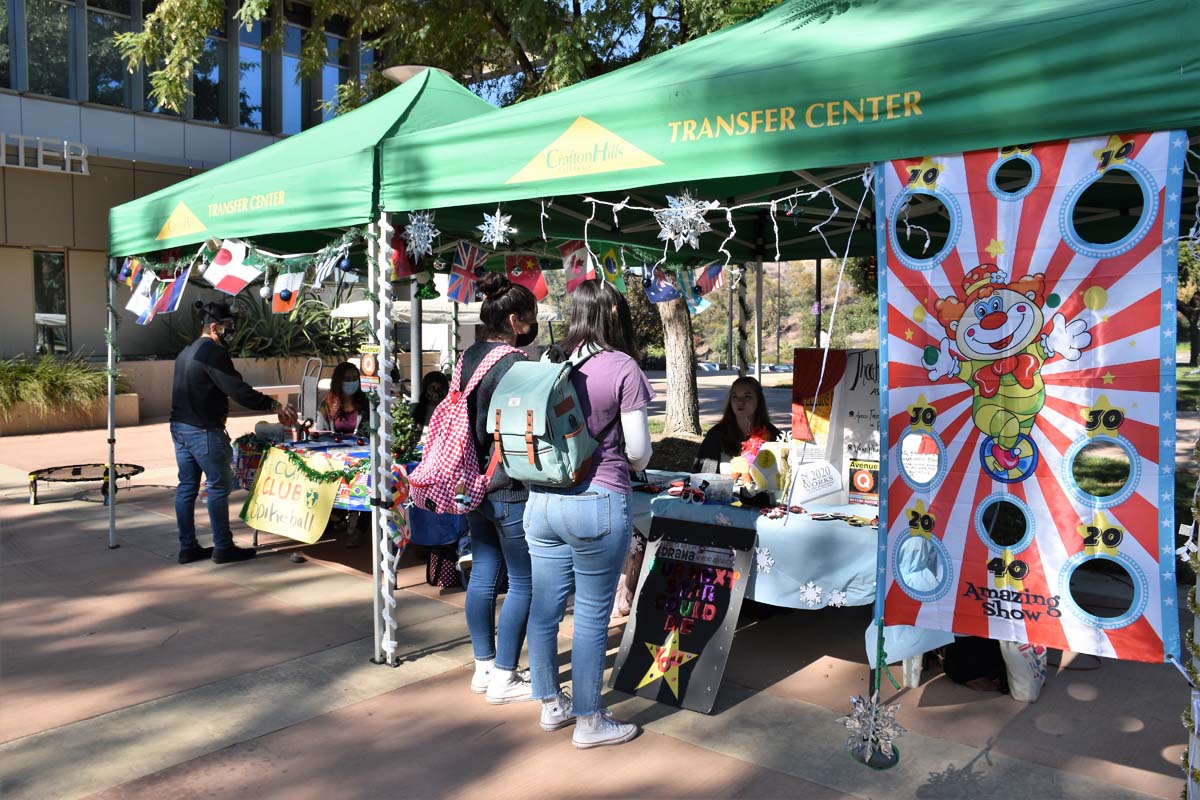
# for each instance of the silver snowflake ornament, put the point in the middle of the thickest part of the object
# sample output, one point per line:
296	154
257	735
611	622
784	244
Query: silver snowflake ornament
420	233
810	593
872	727
682	221
837	598
495	228
762	559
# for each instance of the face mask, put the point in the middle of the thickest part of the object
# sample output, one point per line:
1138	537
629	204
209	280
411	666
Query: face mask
528	336
350	387
225	337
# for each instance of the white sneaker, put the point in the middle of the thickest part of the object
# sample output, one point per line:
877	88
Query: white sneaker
482	677
509	687
597	730
556	713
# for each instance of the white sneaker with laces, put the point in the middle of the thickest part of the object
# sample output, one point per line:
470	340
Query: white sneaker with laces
482	677
556	712
509	687
598	730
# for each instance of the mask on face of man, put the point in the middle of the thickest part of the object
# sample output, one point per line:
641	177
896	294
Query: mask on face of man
528	336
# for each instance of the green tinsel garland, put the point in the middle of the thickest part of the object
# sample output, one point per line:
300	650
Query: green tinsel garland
252	441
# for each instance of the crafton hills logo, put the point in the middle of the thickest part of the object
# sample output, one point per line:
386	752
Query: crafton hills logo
585	148
182	222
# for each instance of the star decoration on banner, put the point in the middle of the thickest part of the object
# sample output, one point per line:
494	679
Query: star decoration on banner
872	726
682	221
495	228
995	248
810	594
837	598
420	233
667	660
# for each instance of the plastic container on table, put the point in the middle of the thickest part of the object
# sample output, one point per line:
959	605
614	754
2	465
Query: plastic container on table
720	487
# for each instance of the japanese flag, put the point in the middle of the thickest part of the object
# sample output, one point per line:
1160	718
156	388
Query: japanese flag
232	268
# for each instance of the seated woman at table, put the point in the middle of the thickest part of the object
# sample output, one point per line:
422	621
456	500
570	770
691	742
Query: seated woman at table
745	418
344	409
434	388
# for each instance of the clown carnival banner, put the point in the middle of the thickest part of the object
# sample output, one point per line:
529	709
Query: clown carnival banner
1028	372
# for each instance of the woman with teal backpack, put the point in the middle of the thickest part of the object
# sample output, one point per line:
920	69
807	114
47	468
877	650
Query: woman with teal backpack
578	536
509	318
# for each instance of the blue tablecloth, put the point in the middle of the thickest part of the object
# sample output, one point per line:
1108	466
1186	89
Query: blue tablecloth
796	550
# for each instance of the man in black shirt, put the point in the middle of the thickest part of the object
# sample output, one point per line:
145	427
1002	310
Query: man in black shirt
204	380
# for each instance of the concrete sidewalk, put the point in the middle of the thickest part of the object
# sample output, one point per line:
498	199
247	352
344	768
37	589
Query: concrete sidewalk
126	675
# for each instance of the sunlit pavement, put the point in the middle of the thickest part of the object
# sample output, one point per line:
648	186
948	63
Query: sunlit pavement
126	675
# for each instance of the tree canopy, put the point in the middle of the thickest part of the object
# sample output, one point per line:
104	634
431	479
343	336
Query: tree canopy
508	50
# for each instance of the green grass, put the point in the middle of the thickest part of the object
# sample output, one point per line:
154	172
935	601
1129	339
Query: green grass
52	385
657	426
1187	388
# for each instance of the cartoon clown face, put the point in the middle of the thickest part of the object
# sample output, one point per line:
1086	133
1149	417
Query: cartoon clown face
1002	323
1000	348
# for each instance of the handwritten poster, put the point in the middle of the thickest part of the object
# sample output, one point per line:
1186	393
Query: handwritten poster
689	596
283	501
1028	346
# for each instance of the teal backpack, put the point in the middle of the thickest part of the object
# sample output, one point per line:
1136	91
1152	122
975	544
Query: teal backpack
538	424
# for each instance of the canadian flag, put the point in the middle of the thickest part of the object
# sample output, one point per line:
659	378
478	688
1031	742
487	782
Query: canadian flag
576	264
232	268
287	291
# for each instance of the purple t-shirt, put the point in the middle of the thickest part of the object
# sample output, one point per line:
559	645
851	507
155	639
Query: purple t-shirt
609	384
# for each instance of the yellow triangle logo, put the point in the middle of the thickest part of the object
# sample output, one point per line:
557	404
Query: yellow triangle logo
181	223
585	148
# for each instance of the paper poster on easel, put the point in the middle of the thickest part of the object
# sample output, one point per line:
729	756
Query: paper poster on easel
842	426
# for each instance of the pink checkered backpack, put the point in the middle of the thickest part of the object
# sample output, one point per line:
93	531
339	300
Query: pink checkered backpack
448	480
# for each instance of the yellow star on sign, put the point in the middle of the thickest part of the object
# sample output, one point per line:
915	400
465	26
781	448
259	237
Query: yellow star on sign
920	521
1108	378
908	334
1114	152
667	660
921	415
995	248
1102	419
1101	536
925	175
1011	576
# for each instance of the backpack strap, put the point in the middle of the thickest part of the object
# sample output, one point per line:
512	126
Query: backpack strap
485	366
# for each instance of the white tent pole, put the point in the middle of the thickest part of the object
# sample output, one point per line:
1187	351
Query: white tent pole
372	288
111	338
758	326
382	446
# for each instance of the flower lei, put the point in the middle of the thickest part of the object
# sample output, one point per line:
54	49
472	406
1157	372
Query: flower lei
750	447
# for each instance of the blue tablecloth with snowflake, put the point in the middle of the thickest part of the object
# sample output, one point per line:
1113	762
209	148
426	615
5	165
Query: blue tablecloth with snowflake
800	562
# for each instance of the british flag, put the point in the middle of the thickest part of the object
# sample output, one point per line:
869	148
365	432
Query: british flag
710	277
468	266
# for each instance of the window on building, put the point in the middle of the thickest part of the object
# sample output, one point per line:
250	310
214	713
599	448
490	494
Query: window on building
5	48
253	77
50	28
210	81
50	302
109	80
297	96
335	72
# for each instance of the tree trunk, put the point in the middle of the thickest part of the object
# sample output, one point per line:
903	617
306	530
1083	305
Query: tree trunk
683	407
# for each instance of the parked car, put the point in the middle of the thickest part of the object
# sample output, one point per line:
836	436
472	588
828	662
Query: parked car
783	368
706	366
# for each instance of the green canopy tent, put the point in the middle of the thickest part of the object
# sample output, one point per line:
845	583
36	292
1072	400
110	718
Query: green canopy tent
295	195
802	99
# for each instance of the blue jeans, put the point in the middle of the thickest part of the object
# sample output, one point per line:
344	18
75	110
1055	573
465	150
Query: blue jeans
577	539
498	538
197	451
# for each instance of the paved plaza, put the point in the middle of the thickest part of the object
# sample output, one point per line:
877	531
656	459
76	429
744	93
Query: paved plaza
127	675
